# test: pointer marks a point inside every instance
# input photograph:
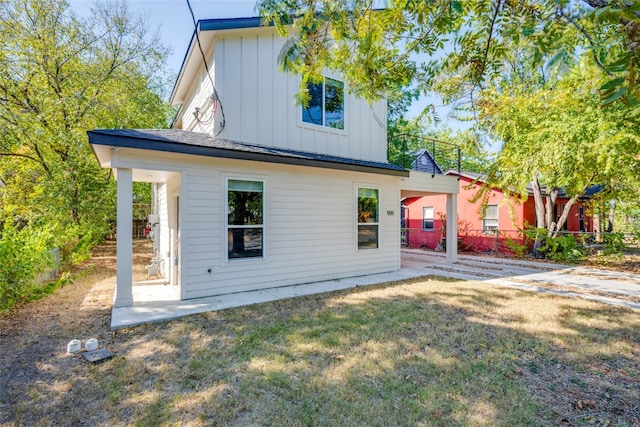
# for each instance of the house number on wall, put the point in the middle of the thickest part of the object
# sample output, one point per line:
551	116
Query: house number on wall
391	213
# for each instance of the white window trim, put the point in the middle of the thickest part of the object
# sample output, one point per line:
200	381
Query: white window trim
225	219
433	218
356	214
497	219
303	124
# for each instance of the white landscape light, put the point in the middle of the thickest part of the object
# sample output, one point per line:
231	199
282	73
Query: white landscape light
73	346
91	344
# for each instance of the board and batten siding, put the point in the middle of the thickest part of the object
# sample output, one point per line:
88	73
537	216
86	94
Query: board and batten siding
309	228
260	108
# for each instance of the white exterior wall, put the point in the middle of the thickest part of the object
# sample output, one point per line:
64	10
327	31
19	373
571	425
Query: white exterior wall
310	223
309	229
259	102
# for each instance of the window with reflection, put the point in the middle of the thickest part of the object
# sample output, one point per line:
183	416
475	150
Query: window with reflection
368	206
326	104
245	225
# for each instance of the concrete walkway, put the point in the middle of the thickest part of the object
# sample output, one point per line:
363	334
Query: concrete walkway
155	301
611	287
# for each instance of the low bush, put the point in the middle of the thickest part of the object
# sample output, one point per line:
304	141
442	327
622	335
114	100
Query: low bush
32	257
564	248
515	247
613	244
24	254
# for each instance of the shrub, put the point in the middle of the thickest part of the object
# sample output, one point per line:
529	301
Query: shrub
563	248
24	254
613	244
27	258
514	247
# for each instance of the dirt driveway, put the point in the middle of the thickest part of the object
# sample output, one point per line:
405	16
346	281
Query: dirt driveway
608	286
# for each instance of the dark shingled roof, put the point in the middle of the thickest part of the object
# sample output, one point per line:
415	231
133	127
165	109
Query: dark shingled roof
201	144
591	191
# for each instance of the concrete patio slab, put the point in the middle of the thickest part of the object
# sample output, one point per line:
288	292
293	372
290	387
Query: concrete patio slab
156	301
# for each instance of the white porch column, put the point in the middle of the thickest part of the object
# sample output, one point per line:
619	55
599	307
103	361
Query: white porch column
452	227
124	240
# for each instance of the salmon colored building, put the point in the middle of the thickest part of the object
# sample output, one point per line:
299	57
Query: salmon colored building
423	219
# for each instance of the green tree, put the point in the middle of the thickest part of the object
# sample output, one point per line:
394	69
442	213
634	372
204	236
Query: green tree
406	136
377	50
556	135
60	76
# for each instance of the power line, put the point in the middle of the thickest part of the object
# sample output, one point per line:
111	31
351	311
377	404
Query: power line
214	95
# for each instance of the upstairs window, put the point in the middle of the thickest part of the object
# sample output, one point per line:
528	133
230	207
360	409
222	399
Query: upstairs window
245	219
490	219
427	218
368	202
326	104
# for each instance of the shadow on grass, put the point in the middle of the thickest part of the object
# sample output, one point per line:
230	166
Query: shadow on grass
422	352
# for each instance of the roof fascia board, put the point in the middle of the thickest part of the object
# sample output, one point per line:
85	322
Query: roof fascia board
229	23
212	25
187	55
166	146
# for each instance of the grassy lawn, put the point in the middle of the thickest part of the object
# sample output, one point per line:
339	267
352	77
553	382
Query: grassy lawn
427	352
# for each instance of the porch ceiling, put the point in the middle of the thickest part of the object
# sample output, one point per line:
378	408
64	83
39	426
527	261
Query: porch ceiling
145	175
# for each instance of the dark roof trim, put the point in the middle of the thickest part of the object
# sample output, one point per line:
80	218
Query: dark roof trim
229	23
185	142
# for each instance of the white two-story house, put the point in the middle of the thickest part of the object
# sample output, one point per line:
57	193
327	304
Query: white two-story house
253	191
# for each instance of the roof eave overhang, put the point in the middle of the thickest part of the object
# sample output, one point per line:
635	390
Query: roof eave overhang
211	26
196	150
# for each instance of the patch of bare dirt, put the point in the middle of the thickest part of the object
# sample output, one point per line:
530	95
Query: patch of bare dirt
628	262
36	333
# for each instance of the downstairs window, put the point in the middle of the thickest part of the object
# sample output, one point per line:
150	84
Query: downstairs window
245	219
368	202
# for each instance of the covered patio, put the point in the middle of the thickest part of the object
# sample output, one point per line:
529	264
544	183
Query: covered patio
155	301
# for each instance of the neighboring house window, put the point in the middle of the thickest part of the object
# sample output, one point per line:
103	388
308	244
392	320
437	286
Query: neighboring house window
427	218
565	226
245	206
368	203
490	219
581	218
326	104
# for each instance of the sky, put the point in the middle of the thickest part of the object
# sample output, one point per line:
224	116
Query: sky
173	19
175	25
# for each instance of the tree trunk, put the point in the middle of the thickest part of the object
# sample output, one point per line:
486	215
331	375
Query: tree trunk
564	215
612	212
539	205
551	224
